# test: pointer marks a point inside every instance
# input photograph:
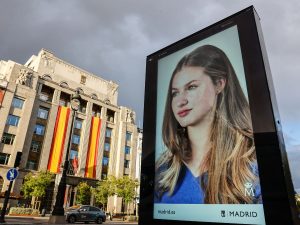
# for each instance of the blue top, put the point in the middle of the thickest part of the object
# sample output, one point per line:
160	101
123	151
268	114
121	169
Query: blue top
188	189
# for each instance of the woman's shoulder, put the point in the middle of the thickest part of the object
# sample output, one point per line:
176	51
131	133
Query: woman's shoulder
187	191
254	168
257	198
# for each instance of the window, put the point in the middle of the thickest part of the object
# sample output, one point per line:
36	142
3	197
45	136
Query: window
82	106
105	161
96	114
84	208
94	209
126	163
12	120
110	115
62	102
8	139
17	103
35	146
107	147
108	132
83	79
39	129
76	139
128	136
78	123
31	165
96	110
46	93
43	113
73	167
82	109
64	99
73	154
4	158
127	150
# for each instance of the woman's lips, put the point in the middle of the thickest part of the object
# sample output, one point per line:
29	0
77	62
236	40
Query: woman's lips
184	112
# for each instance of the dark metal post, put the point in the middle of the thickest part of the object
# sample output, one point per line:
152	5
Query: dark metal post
7	193
58	211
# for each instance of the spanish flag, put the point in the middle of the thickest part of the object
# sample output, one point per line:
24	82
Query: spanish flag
2	92
58	139
91	159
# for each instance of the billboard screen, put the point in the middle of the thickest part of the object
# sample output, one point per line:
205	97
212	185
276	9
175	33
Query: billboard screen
211	129
206	168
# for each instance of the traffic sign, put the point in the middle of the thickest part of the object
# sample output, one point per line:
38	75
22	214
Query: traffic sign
12	174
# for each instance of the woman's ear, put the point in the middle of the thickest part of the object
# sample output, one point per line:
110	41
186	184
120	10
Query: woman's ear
220	84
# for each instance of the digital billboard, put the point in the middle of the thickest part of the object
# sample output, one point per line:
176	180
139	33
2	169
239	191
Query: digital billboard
205	153
211	129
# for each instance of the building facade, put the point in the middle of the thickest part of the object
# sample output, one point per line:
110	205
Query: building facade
36	120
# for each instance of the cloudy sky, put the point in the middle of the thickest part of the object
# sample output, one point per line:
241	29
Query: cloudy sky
111	38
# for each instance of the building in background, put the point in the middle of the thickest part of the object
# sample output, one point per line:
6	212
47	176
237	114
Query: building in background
35	120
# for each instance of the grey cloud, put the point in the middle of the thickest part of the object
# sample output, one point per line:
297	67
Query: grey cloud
98	35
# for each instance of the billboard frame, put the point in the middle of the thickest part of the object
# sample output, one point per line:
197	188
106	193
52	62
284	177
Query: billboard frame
277	191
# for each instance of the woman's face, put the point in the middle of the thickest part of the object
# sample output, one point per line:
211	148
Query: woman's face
193	96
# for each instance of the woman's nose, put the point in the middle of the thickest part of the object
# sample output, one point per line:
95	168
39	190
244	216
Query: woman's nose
182	101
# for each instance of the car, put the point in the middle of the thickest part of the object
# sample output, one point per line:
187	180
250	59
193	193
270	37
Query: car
85	213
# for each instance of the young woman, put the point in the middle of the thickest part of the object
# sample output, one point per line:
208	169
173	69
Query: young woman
210	155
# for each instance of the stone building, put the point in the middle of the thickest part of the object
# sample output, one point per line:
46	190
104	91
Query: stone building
36	120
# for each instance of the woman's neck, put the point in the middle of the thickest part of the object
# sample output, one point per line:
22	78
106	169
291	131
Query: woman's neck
200	144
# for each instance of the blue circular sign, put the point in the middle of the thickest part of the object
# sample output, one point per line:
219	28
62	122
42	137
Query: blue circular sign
12	174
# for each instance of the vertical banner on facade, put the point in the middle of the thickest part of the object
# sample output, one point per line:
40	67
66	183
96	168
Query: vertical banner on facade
58	140
91	159
1	95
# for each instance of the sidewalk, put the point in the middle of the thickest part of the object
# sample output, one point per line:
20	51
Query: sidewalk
44	220
25	220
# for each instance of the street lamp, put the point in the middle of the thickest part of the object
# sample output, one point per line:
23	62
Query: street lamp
58	211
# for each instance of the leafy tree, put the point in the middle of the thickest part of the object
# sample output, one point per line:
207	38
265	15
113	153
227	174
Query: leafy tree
123	187
126	188
104	189
35	185
83	195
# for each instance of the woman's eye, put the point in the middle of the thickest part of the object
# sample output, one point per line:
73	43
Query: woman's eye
191	87
174	94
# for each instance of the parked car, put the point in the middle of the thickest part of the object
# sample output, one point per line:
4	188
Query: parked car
86	213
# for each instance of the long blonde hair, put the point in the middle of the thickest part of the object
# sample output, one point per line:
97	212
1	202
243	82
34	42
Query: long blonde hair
227	165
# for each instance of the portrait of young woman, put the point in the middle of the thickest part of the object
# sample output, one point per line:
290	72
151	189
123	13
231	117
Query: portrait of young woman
209	155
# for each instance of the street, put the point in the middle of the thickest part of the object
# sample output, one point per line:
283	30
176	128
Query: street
44	220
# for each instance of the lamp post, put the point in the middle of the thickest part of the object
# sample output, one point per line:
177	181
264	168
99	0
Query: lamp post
58	211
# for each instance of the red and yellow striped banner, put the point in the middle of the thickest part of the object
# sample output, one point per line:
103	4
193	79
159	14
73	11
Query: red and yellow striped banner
1	95
91	159
58	139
